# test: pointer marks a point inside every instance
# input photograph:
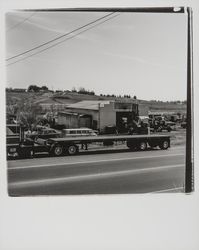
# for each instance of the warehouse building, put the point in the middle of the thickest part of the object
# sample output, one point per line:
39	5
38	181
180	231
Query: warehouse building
74	120
101	114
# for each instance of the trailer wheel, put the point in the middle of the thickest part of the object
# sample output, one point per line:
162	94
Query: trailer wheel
72	149
164	145
57	150
142	145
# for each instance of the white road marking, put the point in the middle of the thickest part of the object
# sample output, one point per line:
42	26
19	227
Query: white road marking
168	190
89	162
69	179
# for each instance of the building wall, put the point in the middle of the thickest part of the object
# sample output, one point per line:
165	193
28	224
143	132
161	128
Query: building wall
85	122
70	121
93	113
74	120
107	116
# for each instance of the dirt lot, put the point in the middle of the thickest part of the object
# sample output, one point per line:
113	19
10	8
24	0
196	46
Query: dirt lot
178	137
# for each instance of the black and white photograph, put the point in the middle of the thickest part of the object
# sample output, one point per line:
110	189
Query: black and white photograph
96	101
99	118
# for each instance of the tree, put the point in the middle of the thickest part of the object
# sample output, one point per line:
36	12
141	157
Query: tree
33	88
27	113
73	89
82	90
44	88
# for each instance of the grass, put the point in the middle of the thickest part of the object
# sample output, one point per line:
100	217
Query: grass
178	137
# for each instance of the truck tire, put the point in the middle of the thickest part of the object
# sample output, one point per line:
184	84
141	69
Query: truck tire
164	144
57	150
142	146
72	149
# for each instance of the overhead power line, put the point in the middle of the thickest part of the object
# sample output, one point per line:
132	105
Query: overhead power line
59	37
40	51
20	23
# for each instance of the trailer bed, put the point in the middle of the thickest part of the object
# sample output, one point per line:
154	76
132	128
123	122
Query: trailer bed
71	145
101	138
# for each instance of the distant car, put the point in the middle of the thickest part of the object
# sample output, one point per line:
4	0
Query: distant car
170	126
44	133
78	132
164	125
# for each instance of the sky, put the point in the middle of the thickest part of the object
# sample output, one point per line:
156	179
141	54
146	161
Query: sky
142	54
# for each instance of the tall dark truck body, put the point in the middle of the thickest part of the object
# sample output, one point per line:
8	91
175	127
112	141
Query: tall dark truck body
16	144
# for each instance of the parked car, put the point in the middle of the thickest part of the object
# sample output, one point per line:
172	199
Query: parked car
72	132
161	124
169	126
43	133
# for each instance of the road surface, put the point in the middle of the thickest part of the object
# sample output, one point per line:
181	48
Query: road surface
109	172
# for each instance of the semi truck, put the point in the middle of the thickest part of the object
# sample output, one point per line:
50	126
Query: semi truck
26	147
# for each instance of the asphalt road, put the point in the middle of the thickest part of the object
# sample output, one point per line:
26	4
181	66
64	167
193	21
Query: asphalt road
110	172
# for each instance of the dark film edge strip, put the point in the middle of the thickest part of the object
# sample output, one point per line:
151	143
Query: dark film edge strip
189	171
177	9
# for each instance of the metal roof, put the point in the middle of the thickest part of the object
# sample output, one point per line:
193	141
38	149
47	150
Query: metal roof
91	105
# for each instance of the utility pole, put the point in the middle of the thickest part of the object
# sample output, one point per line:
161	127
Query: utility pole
99	116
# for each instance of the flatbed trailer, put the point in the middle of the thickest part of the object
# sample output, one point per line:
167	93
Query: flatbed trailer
71	145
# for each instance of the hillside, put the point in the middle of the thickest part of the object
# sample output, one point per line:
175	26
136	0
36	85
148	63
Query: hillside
164	106
68	98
